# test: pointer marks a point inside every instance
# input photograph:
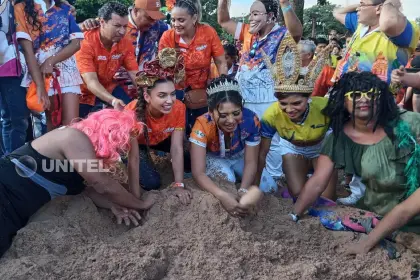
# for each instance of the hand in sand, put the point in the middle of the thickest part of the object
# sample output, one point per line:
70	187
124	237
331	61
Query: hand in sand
183	194
232	206
147	202
398	75
127	215
356	249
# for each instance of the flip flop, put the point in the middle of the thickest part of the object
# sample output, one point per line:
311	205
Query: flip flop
356	224
322	201
328	219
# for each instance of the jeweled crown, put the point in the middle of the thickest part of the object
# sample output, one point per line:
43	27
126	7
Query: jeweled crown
286	69
223	86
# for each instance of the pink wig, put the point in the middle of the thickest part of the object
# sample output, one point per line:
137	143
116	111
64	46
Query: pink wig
110	132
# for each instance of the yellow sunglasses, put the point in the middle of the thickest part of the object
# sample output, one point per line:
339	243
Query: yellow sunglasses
359	95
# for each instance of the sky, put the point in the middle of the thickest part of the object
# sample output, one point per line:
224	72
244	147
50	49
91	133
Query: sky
410	8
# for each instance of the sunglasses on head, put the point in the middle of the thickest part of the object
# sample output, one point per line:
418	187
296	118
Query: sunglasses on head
357	95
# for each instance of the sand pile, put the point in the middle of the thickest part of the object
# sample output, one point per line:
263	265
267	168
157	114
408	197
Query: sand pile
71	239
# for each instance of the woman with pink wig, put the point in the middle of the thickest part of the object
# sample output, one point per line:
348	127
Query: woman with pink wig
65	161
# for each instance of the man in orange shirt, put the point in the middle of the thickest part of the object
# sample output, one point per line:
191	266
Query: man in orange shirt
102	53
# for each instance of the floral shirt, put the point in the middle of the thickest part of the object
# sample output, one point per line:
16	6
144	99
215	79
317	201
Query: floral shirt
197	55
374	51
254	77
58	29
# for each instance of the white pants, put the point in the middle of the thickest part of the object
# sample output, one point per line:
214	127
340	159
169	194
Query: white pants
273	163
232	169
357	187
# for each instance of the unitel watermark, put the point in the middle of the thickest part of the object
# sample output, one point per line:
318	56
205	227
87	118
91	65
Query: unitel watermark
29	166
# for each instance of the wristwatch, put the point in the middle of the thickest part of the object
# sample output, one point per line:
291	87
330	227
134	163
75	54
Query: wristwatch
295	217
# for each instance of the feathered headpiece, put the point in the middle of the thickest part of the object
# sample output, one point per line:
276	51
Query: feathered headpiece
286	69
168	64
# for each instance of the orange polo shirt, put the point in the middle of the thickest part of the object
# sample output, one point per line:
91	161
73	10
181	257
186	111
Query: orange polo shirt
197	55
94	57
162	128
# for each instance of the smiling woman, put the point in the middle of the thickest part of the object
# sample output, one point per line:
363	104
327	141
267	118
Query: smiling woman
164	117
225	142
199	44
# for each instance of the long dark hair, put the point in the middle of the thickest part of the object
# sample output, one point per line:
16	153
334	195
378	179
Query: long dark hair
141	108
386	113
31	14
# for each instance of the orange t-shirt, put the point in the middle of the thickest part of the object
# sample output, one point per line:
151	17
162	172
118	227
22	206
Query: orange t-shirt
197	55
162	128
323	83
94	57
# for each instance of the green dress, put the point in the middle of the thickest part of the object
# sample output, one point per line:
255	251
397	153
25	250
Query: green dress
381	167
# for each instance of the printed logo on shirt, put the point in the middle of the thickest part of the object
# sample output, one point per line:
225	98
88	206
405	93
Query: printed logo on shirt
116	56
317	126
199	134
244	134
169	130
101	57
201	48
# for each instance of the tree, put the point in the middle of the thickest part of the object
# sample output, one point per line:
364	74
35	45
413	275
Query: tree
321	20
298	7
89	9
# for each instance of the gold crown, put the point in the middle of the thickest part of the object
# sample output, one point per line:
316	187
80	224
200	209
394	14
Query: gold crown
286	70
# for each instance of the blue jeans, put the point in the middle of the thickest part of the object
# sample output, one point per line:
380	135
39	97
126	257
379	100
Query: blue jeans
149	176
86	109
14	114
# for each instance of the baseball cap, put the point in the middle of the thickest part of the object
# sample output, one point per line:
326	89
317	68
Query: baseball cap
152	8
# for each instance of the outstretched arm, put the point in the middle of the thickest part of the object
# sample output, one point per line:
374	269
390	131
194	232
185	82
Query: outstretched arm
395	219
316	185
340	13
291	20
223	18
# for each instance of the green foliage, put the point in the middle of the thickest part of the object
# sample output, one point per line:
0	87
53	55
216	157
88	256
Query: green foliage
418	21
324	19
89	8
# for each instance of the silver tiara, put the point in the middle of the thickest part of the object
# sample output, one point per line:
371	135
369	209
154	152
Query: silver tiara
223	86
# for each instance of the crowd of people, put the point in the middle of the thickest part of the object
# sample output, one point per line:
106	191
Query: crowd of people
271	108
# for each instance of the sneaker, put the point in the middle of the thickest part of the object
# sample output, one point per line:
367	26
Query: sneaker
350	200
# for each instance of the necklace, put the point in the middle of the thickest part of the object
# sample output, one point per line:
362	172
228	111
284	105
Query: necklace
305	115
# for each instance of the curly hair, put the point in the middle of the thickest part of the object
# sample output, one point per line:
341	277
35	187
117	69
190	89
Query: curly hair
386	112
31	14
106	11
271	6
110	132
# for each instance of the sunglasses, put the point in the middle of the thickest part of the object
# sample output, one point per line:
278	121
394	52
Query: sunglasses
357	95
254	49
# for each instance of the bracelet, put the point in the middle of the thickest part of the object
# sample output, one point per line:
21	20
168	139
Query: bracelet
243	190
295	217
113	101
285	10
178	185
